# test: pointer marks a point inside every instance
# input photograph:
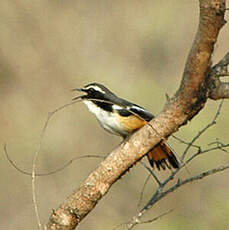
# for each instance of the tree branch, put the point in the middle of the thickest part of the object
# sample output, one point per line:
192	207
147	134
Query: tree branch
213	122
183	106
159	193
221	90
217	88
135	219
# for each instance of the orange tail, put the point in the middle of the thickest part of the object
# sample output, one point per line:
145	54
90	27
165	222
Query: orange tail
163	157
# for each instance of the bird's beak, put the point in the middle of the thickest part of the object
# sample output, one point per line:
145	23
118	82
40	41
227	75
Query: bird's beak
80	90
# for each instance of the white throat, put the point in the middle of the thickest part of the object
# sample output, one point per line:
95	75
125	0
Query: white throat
92	107
107	120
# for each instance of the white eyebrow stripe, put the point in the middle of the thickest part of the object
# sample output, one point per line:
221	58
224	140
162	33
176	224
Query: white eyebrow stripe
95	88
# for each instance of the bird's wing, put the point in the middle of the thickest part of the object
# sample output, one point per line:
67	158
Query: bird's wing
141	112
127	108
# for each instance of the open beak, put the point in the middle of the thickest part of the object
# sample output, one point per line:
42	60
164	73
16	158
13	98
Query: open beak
77	89
80	90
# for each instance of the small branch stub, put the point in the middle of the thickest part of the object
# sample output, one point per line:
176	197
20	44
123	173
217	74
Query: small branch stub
217	88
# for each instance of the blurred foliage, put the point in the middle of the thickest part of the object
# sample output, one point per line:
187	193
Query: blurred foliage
136	48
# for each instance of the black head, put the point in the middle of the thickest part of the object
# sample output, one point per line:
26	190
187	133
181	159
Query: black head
96	91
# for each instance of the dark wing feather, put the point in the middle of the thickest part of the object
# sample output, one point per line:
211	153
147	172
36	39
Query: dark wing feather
133	109
141	112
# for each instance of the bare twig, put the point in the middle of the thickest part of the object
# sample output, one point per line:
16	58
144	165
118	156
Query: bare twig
203	131
135	220
208	150
220	145
36	156
51	172
152	173
143	189
159	193
145	221
186	142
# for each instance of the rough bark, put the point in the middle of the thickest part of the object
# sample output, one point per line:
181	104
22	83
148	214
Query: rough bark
183	106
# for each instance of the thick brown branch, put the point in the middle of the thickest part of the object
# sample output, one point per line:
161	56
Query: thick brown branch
186	103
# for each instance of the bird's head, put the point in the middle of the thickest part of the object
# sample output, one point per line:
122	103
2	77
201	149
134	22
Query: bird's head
94	91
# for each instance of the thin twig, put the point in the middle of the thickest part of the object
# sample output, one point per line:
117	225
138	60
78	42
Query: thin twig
194	178
179	183
220	145
213	122
137	221
185	142
36	156
152	173
143	189
207	150
51	172
128	224
159	193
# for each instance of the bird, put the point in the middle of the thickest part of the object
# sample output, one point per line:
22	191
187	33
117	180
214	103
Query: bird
121	117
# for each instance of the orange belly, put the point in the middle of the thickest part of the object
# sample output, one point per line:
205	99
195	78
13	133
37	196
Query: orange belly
131	123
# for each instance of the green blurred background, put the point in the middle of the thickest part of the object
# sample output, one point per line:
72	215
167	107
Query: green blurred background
136	48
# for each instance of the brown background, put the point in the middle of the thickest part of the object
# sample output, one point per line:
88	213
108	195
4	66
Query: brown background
136	48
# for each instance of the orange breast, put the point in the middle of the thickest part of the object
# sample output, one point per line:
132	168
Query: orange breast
131	123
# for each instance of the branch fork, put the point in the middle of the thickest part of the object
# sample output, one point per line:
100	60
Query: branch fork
199	82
